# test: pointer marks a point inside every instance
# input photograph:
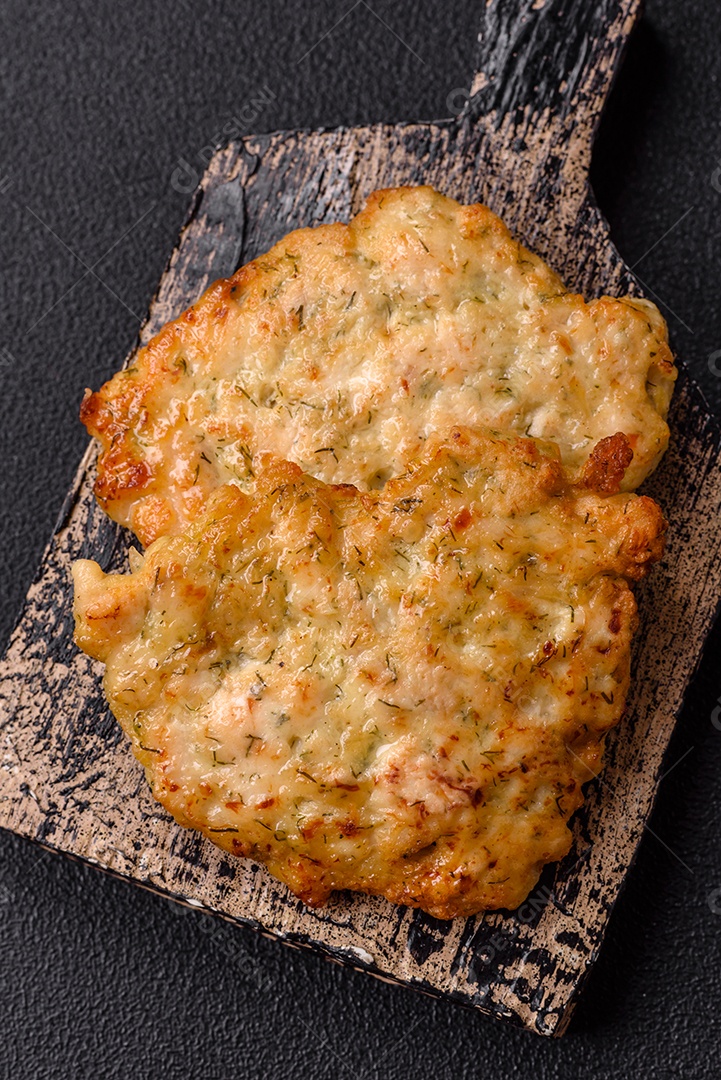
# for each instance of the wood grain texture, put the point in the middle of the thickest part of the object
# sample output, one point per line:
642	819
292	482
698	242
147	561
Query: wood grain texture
68	779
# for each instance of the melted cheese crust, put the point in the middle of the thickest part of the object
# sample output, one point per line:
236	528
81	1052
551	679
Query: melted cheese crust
346	346
399	692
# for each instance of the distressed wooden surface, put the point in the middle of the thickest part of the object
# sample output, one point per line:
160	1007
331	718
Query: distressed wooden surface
68	779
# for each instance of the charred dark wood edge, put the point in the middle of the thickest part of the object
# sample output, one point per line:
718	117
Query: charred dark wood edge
343	958
554	57
64	771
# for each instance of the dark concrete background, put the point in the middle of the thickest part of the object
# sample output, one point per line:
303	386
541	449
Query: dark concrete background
98	102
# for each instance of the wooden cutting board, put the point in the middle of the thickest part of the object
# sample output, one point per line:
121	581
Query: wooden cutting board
68	780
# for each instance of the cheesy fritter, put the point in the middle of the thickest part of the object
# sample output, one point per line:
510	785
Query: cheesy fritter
399	691
346	346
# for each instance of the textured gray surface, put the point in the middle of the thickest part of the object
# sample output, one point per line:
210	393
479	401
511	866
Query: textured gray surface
98	105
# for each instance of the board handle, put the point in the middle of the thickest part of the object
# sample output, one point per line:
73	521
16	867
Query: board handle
550	59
